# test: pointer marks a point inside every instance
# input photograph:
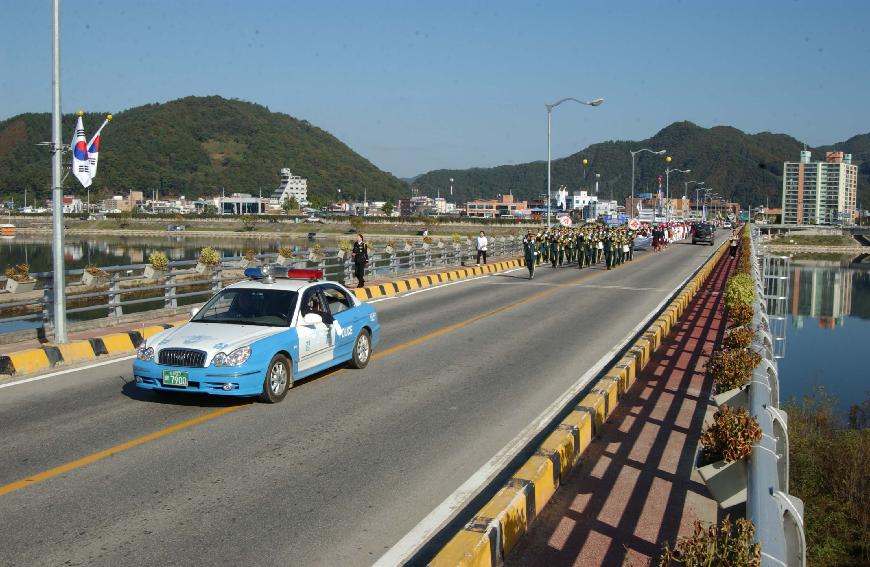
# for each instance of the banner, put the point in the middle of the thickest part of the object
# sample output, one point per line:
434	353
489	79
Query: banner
80	166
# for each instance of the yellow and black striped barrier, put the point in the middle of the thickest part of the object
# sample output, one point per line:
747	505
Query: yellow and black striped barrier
497	527
419	282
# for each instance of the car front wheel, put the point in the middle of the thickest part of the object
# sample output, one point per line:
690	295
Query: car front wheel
362	350
279	379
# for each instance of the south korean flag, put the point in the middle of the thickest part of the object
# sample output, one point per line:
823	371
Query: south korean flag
79	146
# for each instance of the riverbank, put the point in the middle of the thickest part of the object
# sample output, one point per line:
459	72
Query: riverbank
268	227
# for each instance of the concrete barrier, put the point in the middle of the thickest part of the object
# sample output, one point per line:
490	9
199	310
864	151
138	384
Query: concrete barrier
496	528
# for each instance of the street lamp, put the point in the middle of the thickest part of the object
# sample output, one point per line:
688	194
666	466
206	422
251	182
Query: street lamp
686	190
634	153
668	184
550	107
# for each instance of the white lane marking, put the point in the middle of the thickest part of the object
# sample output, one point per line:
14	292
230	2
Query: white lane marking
67	371
411	543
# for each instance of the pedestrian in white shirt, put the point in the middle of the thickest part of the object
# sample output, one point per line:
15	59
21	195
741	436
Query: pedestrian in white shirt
481	247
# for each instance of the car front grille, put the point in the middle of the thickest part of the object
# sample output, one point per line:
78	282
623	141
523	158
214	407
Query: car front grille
182	357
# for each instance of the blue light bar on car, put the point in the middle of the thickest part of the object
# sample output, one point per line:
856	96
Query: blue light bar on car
254	273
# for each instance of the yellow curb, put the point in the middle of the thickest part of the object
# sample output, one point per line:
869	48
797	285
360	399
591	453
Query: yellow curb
118	343
148	332
466	549
539	471
30	360
561	443
582	420
508	508
77	351
595	401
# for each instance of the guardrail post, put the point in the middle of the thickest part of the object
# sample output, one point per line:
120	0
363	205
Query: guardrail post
46	301
115	308
169	288
217	278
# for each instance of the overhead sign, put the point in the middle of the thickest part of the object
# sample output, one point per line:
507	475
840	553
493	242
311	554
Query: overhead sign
634	224
565	221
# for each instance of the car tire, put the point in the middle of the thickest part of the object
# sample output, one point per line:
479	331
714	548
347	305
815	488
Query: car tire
362	350
278	379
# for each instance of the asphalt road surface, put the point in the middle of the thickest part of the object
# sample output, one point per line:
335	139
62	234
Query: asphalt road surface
95	472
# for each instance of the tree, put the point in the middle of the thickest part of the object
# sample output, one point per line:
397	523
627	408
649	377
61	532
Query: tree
357	223
388	208
290	204
317	202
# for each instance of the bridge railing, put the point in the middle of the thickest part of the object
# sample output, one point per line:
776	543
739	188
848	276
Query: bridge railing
126	289
778	516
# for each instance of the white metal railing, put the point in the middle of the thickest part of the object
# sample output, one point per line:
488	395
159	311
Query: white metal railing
127	290
778	517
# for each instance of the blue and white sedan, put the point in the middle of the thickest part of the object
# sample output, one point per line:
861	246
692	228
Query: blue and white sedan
256	337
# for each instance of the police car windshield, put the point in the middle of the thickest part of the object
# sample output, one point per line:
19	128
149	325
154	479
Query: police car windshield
244	306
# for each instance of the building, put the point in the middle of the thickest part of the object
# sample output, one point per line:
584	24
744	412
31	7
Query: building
820	192
240	204
505	206
72	204
291	186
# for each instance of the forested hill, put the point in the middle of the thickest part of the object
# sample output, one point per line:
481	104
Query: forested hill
743	167
193	146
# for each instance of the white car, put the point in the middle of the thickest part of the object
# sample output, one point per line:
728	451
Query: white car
256	337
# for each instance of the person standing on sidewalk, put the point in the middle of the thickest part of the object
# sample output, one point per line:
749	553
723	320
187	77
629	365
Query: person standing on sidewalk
732	246
482	243
360	256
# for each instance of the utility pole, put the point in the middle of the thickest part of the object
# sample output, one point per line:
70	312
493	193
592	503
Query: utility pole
59	292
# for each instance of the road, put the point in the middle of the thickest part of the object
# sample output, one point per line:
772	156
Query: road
341	470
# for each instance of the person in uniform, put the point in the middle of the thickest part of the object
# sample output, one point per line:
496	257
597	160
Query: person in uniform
530	253
360	257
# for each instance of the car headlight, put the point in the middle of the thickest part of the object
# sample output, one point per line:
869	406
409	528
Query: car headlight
235	358
145	352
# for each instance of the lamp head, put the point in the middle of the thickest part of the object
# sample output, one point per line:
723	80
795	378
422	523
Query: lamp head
596	102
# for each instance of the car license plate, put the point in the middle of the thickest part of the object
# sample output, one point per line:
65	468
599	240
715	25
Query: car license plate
175	378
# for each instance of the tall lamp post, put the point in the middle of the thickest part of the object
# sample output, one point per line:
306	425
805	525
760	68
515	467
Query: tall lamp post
698	188
550	107
668	172
633	154
58	289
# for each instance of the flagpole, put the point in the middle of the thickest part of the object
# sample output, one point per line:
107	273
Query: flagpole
100	129
58	289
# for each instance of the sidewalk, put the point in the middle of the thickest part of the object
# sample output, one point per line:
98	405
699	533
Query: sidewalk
637	487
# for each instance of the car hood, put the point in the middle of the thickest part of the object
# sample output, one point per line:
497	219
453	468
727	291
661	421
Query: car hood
211	337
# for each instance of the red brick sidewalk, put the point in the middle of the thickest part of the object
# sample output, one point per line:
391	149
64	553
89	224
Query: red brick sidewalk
637	487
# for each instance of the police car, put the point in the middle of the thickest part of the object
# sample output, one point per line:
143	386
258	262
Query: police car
256	337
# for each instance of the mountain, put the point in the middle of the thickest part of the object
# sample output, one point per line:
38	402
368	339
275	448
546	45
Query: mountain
743	167
193	146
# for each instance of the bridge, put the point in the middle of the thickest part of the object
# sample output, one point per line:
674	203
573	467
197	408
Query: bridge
353	466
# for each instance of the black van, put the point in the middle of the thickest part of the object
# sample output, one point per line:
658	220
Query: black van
703	233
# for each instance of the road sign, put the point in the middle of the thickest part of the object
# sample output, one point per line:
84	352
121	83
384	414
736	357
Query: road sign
634	224
565	221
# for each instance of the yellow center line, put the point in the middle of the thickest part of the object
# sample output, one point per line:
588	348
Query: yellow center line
94	457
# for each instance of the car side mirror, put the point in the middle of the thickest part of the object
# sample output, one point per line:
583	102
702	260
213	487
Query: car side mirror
311	319
193	311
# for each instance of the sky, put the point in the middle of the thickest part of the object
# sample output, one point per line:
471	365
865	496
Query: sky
416	85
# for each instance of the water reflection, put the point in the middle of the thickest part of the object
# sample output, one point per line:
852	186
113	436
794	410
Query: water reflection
828	331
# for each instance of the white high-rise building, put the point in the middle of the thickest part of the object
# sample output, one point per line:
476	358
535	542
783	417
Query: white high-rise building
820	192
291	186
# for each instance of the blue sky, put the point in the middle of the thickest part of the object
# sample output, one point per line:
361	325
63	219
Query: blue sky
415	86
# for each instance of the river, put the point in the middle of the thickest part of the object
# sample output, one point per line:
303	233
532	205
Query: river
826	327
120	250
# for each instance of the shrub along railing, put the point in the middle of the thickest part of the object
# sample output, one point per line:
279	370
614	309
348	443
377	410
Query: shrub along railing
114	291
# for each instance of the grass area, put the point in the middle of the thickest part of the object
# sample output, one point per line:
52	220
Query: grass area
816	240
830	472
833	257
